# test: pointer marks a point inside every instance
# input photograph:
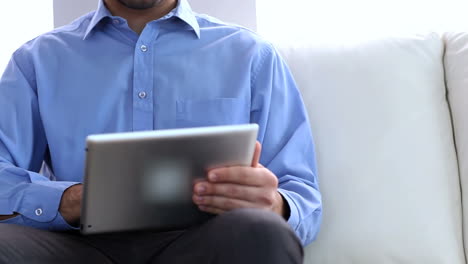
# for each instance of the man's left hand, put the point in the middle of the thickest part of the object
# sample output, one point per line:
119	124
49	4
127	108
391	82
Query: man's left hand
239	187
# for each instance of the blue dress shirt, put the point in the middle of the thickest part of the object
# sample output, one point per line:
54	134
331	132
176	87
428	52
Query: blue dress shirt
96	75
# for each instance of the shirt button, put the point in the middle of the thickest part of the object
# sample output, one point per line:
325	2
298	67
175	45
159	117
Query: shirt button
142	95
116	21
144	48
38	211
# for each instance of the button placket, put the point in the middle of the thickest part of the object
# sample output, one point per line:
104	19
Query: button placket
143	115
142	95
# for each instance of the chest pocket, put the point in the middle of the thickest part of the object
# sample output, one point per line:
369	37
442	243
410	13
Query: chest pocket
212	112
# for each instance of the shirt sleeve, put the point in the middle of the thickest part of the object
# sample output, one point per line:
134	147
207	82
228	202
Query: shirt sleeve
287	144
23	146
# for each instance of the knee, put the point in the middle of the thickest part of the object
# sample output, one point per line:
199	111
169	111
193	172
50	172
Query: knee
256	236
255	225
253	219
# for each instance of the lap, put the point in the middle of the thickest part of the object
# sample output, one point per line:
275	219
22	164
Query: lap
20	244
239	236
234	237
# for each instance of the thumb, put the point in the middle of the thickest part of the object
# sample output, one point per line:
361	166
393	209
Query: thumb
256	156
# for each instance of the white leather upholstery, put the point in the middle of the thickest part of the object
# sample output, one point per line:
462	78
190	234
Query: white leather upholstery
456	73
387	163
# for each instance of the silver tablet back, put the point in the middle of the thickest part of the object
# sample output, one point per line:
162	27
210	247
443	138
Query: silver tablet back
144	180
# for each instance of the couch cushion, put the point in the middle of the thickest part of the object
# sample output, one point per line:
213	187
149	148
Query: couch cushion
456	72
387	163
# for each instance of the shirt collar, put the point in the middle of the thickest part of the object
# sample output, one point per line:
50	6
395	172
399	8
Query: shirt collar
182	11
101	13
185	13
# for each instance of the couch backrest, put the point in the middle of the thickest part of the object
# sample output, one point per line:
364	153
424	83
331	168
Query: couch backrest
387	163
456	74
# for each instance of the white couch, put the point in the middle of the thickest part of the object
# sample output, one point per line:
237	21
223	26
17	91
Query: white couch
390	121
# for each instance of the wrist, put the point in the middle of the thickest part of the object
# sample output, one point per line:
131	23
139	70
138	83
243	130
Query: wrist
282	206
70	204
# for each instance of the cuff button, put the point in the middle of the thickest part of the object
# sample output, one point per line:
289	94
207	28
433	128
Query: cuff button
38	211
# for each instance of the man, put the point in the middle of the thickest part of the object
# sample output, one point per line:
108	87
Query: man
143	65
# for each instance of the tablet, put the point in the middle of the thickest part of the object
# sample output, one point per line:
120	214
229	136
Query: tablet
144	180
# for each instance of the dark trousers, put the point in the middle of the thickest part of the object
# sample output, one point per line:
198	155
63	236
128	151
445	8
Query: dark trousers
241	236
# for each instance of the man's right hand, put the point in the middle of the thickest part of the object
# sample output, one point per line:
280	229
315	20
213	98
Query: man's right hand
5	217
70	205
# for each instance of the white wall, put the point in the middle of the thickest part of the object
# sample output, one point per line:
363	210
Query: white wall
242	12
65	11
21	21
345	20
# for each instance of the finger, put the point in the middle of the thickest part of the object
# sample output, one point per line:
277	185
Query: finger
243	175
262	197
256	156
236	191
198	180
222	203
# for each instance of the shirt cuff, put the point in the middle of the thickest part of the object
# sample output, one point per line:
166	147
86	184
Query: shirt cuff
293	220
40	204
59	224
